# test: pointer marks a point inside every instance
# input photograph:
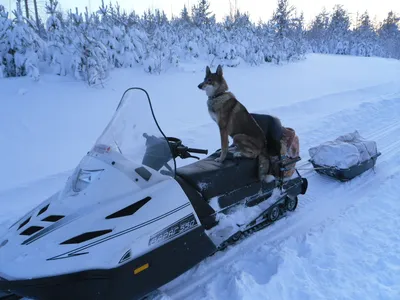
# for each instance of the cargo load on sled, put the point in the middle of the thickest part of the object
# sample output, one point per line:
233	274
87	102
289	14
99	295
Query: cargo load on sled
345	157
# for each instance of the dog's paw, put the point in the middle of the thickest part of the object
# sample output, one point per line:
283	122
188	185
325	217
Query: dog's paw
219	160
268	178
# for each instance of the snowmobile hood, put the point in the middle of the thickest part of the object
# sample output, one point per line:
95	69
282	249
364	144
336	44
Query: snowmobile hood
110	208
55	239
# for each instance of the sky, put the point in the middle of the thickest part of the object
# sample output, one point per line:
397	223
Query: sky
258	9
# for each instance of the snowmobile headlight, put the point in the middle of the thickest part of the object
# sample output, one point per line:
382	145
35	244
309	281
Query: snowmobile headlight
84	178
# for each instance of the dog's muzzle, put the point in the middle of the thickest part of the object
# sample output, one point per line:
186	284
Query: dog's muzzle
201	85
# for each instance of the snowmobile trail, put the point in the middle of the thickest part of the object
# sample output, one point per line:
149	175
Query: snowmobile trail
323	106
325	201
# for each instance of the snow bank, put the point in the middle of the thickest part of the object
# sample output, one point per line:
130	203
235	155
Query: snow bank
343	152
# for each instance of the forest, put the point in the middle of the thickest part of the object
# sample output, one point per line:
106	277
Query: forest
88	46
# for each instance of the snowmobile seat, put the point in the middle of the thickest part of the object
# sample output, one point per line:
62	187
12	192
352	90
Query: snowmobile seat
213	179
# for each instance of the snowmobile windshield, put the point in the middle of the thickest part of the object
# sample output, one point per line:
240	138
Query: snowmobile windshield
134	133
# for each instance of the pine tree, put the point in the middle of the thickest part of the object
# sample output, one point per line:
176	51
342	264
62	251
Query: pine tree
390	35
21	47
201	14
365	38
5	26
56	41
90	56
339	31
285	26
317	36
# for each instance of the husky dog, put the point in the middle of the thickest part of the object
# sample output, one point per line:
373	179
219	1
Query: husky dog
235	121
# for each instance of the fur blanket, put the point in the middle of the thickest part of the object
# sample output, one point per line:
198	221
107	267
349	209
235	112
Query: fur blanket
290	148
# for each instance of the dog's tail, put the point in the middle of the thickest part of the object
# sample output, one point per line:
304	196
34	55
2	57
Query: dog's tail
264	167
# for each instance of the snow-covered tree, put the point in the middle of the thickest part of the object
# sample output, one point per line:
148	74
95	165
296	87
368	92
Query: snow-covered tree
20	47
90	57
390	35
317	35
185	17
288	31
112	35
365	39
57	53
5	25
339	31
87	46
297	35
202	15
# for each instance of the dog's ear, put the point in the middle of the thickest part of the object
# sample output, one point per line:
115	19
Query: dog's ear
208	71
219	71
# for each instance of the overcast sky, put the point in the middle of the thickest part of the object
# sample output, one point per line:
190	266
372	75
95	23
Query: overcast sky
258	9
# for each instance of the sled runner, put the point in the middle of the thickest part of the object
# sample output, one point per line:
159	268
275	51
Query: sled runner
129	219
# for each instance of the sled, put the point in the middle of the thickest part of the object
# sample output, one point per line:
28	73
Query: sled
346	174
361	156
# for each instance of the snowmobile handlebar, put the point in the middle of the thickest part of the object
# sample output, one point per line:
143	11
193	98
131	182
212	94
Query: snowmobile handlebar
199	151
184	152
176	146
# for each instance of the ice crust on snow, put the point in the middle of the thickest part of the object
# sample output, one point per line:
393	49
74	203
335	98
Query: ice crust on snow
344	152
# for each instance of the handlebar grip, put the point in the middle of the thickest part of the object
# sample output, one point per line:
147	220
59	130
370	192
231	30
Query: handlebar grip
200	151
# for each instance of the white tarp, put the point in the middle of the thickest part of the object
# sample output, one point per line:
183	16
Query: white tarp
344	152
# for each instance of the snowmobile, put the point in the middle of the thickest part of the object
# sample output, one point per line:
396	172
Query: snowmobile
131	219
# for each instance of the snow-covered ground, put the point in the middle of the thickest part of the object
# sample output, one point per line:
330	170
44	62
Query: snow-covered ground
341	243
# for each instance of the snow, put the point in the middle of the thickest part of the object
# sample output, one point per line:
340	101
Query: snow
344	152
341	242
238	218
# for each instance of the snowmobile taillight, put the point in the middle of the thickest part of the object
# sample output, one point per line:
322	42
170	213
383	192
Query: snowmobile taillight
84	178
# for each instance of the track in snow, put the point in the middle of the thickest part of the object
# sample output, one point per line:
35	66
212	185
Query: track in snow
325	201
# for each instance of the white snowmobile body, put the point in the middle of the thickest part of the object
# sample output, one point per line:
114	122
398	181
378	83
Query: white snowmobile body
126	221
